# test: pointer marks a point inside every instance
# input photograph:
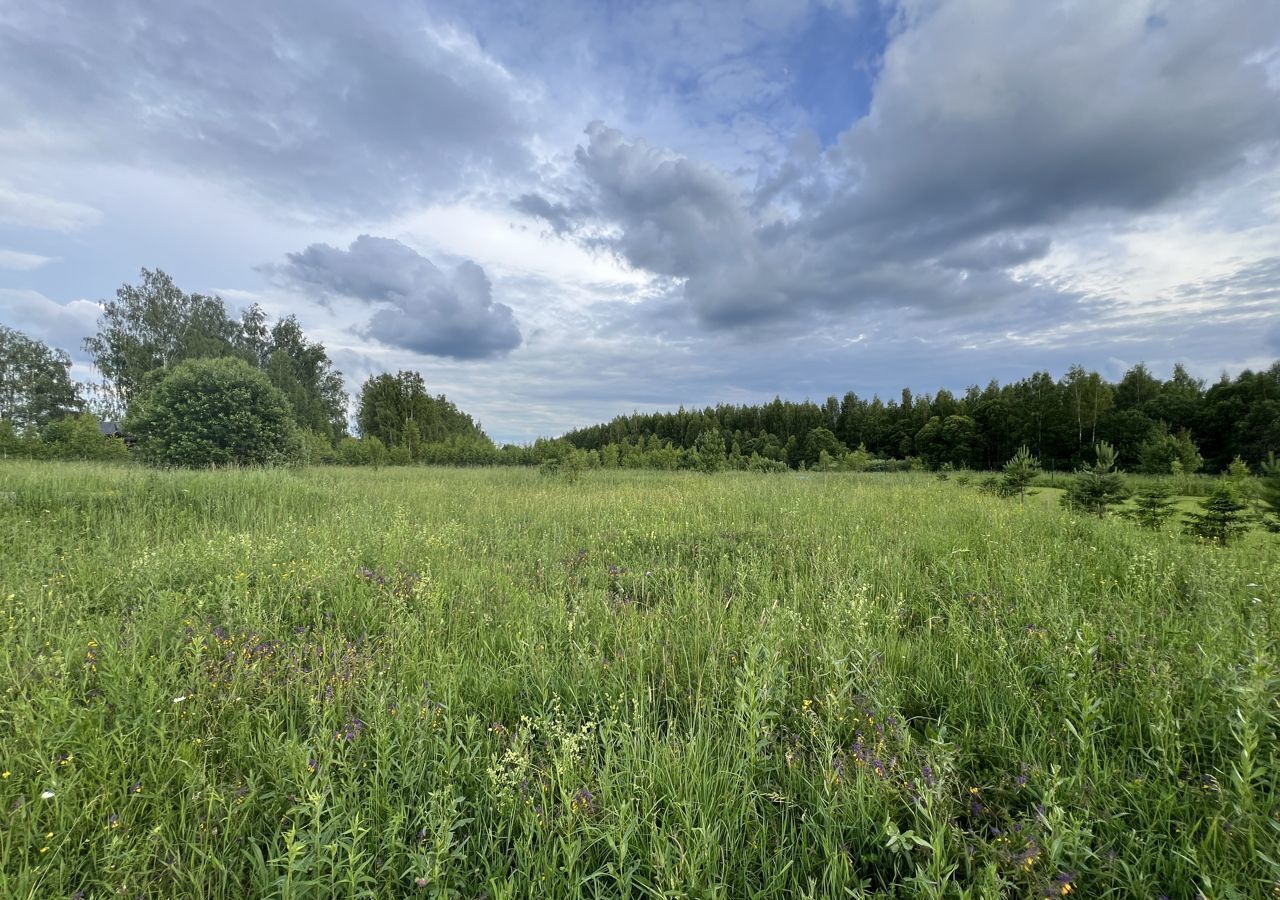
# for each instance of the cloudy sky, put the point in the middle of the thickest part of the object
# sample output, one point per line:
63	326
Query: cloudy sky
560	211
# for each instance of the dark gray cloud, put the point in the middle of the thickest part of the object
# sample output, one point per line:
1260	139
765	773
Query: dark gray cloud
1007	121
690	223
976	147
560	216
420	308
318	105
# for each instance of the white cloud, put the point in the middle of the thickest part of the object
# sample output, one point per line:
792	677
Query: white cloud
27	210
22	262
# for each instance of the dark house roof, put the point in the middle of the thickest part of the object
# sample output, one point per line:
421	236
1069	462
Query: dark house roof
109	429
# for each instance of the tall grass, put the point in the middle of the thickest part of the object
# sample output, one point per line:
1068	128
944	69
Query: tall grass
346	682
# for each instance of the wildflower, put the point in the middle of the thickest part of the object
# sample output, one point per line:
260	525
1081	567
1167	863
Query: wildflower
926	772
311	766
179	699
135	788
5	774
351	730
420	882
46	795
583	801
113	821
1061	885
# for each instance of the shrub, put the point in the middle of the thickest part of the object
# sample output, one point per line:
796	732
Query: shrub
351	452
758	463
992	484
567	468
78	437
215	412
317	448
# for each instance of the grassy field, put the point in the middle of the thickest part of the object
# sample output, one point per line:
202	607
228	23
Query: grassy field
427	682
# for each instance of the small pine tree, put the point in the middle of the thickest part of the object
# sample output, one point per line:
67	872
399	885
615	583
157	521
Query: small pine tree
1221	516
711	452
1018	472
1098	487
1152	507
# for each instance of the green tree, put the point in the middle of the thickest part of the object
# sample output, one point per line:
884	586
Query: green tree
1221	516
1137	388
1018	473
711	451
1159	452
947	441
1098	487
1089	399
212	412
1152	507
397	409
155	325
302	370
35	381
818	441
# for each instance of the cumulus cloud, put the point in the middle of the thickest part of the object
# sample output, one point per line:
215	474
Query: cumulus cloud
741	267
420	308
987	118
318	105
61	325
989	128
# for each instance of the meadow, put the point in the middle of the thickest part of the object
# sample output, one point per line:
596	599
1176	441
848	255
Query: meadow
431	682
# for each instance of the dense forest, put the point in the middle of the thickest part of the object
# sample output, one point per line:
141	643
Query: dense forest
1151	422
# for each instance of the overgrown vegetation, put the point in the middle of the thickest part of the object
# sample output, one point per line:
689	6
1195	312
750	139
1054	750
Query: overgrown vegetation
357	683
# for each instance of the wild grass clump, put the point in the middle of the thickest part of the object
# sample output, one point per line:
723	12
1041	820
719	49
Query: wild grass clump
357	683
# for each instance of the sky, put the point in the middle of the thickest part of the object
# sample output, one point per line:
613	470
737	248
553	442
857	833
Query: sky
560	211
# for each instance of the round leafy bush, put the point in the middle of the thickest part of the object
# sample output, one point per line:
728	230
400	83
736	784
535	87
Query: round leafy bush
215	412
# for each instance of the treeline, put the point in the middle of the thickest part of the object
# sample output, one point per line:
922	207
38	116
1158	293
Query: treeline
153	332
1151	423
156	349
